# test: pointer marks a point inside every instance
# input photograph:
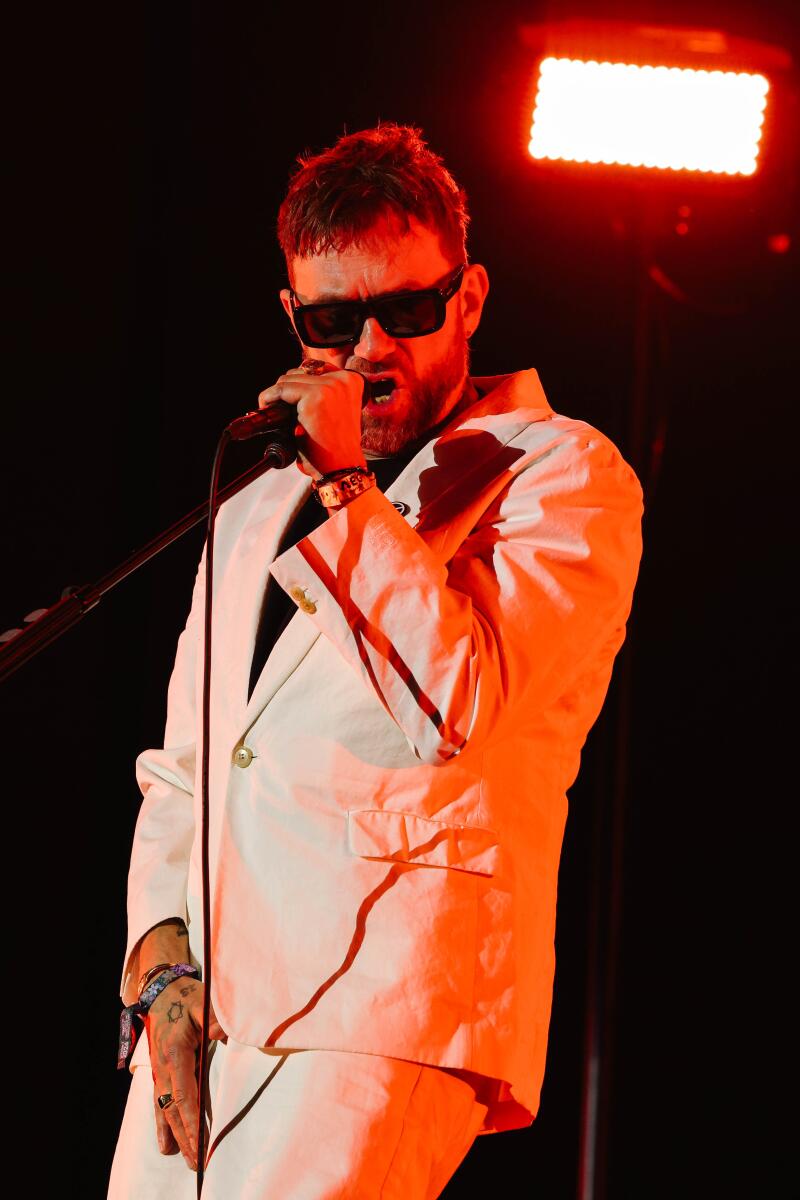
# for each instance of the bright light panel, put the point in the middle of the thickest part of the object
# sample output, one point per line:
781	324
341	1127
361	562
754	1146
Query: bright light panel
667	117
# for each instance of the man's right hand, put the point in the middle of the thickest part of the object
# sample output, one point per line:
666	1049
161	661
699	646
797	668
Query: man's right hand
174	1026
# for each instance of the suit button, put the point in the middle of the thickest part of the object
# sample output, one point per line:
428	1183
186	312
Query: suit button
243	756
300	598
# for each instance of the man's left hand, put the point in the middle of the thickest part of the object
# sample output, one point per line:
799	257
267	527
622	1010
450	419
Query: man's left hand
328	432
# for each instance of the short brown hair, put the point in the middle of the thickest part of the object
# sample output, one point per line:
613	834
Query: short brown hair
336	198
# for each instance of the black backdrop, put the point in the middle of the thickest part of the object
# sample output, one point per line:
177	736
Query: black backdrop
154	146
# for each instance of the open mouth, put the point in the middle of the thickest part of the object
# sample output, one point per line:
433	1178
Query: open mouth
380	391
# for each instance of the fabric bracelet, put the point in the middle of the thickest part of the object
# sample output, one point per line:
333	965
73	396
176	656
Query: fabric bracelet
151	974
127	1029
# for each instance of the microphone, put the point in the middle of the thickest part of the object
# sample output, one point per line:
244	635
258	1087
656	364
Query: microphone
280	418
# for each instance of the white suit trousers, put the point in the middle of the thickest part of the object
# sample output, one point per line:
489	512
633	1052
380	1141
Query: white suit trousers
306	1125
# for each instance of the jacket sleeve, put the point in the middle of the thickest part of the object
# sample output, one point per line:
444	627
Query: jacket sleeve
165	828
541	584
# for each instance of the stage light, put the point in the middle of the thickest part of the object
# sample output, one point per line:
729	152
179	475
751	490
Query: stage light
682	142
657	102
650	116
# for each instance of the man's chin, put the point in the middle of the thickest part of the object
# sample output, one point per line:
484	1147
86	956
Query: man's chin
385	440
389	433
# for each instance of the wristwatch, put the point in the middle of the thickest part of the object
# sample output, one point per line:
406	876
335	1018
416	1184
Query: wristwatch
340	486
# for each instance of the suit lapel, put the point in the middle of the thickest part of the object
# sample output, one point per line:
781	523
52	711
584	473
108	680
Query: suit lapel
289	650
436	493
450	477
240	588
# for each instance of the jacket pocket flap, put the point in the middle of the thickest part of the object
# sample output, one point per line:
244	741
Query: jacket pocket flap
406	837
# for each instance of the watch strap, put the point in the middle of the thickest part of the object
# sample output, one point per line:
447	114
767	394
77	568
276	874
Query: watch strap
342	486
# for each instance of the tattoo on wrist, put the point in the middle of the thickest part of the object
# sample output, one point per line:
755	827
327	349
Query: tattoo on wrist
192	987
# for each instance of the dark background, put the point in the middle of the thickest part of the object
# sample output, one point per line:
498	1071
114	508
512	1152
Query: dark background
153	147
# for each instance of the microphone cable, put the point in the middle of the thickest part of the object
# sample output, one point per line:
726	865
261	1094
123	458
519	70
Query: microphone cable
276	420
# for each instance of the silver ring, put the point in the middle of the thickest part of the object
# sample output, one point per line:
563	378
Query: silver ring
314	366
165	1100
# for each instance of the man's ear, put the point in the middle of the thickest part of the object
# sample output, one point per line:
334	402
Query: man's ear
472	293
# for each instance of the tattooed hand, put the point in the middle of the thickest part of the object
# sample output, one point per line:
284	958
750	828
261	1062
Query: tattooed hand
174	1025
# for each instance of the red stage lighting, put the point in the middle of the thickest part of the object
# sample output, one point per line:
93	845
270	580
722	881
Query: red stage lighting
652	100
648	116
692	137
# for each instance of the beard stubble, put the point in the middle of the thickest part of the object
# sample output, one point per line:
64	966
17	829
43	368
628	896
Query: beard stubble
430	395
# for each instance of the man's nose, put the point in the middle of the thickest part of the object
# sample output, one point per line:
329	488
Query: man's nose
374	344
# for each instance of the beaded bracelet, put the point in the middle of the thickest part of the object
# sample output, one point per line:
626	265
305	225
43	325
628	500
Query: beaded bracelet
127	1029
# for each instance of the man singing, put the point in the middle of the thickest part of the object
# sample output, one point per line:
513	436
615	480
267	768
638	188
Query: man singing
412	635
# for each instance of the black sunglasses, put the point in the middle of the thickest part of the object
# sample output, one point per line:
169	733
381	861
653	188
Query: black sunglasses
401	315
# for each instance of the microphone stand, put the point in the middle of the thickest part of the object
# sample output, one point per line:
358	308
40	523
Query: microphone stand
277	421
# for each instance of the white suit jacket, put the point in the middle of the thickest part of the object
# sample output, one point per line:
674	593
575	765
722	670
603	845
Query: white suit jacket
387	810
